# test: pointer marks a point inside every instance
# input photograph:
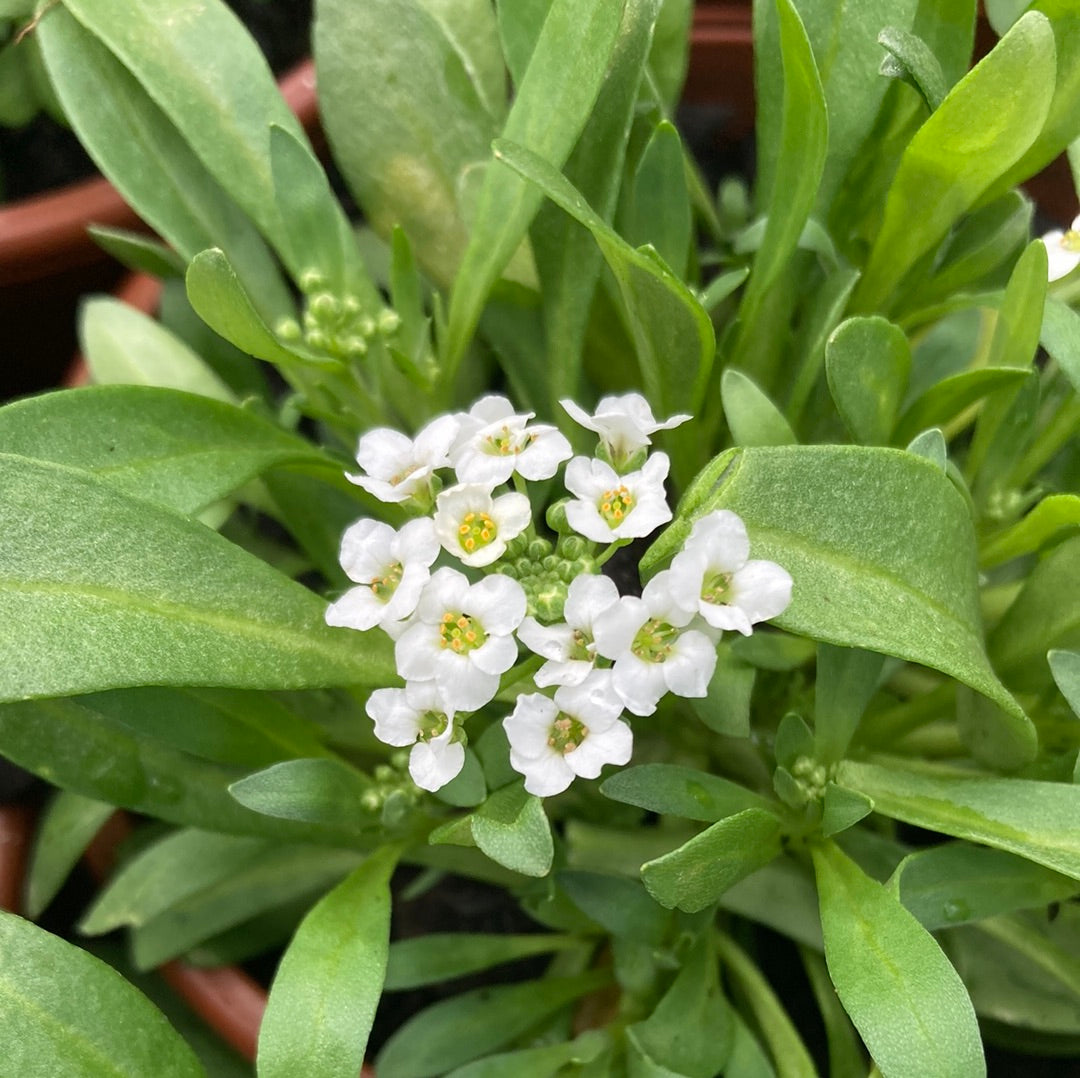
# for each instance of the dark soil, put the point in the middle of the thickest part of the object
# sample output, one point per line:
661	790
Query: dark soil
44	155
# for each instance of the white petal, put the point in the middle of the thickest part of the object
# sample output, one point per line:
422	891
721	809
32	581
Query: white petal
433	442
762	589
358	608
417	542
396	721
546	776
588	596
383	452
1060	261
725	616
721	536
687	579
639	684
541	459
464	687
578	414
432	764
588	478
593	702
690	665
498	602
659	597
571	672
496	655
447	590
614	629
615	745
550	641
528	726
406	595
417	652
586	520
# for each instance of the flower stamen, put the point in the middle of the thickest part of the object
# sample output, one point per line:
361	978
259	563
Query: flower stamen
566	734
654	641
476	530
461	633
615	504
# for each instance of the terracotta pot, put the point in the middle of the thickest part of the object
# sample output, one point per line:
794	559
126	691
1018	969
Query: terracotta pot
48	261
15	827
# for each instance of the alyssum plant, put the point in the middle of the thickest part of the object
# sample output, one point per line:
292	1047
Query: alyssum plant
452	546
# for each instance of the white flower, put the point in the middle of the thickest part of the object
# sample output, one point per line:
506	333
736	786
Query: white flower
568	646
552	741
391	569
1062	250
712	577
475	527
612	506
653	651
417	716
493	442
400	468
462	637
623	423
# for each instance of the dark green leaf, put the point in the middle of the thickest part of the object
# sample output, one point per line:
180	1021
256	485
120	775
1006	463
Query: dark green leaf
996	738
1060	336
660	212
138	252
618	904
846	679
842	809
907	1002
725	708
65	1012
751	416
696	874
1065	666
315	791
670	789
326	988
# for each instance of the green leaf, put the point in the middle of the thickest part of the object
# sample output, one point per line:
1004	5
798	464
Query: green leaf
690	1030
512	828
182	605
725	709
667	321
425	124
751	416
983	127
846	679
550	108
1060	336
209	77
913	61
1065	666
673	790
180	451
659	212
862	531
946	399
141	152
931	445
907	1002
326	988
138	252
545	1061
1053	514
1036	820
315	791
66	1012
65	830
474	1024
696	874
867	362
619	905
72	745
955	882
996	738
842	809
1046	615
221	300
443	956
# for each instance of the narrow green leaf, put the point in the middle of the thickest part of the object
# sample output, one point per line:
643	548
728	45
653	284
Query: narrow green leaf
545	1061
138	252
997	738
846	679
177	450
725	709
660	213
867	362
1065	666
907	1002
66	1012
983	127
512	828
1036	820
861	530
1046	615
65	830
619	905
751	416
912	60
954	883
842	809
1053	514
458	1030
931	445
315	791
326	988
182	605
1060	336
673	790
443	956
696	874
550	109
72	745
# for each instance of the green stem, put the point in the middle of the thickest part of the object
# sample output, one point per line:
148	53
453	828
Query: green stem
607	553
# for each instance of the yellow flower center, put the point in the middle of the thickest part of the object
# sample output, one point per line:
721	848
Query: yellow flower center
717	588
615	504
1071	241
476	531
385	586
461	633
431	724
566	734
654	641
505	443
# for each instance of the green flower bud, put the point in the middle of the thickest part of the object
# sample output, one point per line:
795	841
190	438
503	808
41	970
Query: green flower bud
288	329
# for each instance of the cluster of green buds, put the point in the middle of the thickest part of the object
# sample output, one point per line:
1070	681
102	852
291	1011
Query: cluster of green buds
545	572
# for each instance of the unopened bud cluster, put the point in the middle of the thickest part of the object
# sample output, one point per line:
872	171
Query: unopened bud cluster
462	586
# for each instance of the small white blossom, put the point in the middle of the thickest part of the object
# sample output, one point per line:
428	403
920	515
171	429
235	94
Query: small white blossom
568	646
574	735
391	569
712	577
462	637
623	423
400	468
475	527
1062	250
418	716
611	506
652	649
493	442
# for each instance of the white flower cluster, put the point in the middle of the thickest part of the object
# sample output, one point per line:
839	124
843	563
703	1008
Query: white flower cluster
1062	250
457	636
